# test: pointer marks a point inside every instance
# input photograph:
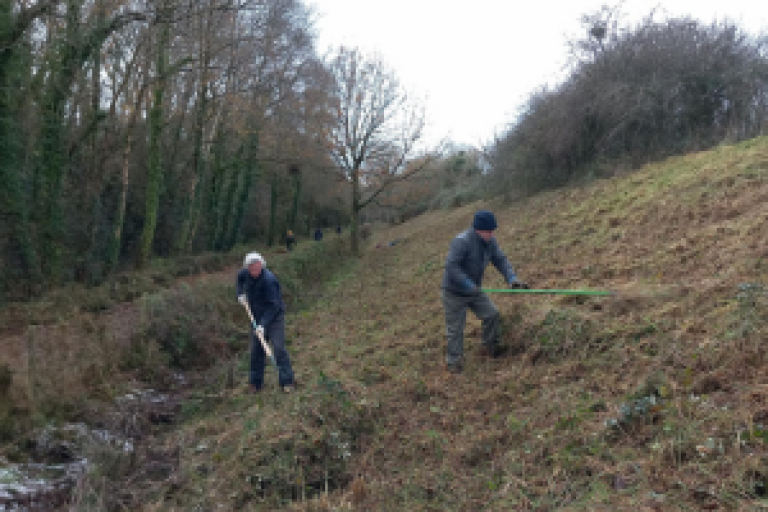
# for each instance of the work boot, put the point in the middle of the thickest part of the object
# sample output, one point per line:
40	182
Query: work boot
253	389
454	368
287	389
492	351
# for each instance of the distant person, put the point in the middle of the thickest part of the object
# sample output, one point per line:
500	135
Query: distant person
318	234
290	240
365	231
468	256
338	229
260	290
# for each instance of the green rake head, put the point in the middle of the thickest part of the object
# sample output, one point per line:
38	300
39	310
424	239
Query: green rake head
552	292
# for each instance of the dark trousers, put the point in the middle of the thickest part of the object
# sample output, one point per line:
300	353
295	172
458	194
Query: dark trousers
455	307
275	335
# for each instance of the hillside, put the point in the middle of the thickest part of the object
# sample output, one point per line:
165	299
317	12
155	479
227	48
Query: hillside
653	399
566	420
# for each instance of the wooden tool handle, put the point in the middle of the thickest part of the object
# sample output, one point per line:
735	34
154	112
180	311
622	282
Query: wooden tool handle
264	344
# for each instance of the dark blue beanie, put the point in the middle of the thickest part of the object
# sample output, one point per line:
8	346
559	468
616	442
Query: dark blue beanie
484	221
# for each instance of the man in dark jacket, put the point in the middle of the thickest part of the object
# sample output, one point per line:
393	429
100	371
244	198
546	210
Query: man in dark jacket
260	290
470	253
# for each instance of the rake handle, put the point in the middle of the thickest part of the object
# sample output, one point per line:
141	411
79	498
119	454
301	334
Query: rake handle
264	343
267	349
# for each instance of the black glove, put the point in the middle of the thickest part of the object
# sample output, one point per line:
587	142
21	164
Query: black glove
519	285
471	288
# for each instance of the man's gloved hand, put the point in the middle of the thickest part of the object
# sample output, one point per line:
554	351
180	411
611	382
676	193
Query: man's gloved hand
258	329
519	285
471	287
241	299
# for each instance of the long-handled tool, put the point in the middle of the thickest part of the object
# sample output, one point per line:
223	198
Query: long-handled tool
264	344
555	292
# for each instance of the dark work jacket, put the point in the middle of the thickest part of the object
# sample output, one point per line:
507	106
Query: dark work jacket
263	295
467	258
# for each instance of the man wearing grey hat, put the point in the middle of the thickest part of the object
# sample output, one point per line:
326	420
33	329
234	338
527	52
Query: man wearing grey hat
470	253
260	289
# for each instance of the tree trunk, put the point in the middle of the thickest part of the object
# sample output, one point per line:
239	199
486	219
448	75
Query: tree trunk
117	232
51	175
228	198
236	199
155	174
250	169
353	231
94	262
215	187
296	199
192	200
272	209
13	204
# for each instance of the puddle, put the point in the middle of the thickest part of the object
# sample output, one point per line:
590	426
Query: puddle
38	486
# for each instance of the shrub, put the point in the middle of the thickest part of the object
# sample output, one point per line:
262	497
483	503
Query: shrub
646	92
310	265
561	334
189	327
327	431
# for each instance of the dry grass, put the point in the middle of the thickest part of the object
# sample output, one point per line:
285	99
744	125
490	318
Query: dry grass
566	420
62	353
529	432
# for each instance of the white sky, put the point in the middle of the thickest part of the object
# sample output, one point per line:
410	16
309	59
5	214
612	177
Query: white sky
476	63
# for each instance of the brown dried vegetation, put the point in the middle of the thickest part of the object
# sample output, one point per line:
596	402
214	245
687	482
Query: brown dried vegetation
653	399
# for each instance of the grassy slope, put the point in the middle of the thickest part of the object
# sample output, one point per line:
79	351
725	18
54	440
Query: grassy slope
528	431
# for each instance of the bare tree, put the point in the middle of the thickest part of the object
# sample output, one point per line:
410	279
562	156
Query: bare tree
375	130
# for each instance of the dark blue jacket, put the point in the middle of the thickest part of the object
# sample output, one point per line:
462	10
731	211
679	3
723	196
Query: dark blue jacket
263	295
467	258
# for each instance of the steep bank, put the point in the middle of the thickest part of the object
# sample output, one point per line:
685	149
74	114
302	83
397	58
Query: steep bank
653	399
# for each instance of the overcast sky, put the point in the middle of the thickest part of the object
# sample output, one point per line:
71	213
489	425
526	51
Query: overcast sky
476	63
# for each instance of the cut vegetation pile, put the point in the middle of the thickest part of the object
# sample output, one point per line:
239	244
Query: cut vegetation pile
655	398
